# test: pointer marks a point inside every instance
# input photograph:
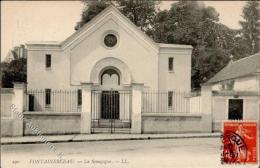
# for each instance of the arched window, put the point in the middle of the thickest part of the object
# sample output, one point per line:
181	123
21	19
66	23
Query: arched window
110	77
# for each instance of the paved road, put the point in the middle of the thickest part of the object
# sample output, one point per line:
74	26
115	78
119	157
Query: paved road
167	153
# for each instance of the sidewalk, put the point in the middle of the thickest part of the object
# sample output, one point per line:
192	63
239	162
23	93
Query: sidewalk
99	137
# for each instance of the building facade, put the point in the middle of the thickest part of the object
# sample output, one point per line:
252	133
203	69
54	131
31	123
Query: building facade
109	74
110	52
236	91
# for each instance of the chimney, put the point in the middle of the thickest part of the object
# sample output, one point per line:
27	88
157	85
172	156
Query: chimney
231	59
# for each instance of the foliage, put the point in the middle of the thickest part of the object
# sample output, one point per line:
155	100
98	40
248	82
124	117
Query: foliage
15	71
249	39
140	12
186	22
92	8
189	22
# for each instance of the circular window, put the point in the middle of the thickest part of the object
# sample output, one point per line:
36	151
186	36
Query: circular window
110	40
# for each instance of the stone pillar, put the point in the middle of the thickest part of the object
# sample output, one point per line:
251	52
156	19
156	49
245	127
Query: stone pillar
17	109
137	89
85	121
206	105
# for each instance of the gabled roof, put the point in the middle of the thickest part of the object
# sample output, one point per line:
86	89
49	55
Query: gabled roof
109	11
243	67
163	45
43	43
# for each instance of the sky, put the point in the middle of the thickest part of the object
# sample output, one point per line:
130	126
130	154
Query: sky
23	21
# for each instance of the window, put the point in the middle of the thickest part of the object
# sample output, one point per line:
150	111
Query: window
110	40
170	94
227	85
48	60
79	97
170	64
31	102
235	109
47	96
110	77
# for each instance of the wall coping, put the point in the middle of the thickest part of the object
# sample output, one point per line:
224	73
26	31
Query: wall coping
171	115
53	113
235	93
7	118
7	90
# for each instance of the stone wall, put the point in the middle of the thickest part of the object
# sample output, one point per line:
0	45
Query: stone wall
6	127
6	113
220	106
173	123
51	123
6	101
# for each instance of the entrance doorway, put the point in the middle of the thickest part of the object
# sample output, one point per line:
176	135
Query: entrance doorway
235	109
110	112
110	80
110	105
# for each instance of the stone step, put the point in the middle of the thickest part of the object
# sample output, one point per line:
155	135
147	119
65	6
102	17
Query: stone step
108	124
108	130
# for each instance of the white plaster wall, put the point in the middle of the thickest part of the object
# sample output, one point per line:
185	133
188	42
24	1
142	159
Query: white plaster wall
6	102
73	64
180	78
220	109
250	107
249	83
39	77
246	84
141	60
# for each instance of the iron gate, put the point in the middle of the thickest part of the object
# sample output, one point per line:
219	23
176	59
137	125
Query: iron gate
111	111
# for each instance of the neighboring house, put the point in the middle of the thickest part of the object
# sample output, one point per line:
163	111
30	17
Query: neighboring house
236	91
16	53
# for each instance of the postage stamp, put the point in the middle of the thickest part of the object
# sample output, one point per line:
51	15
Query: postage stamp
239	142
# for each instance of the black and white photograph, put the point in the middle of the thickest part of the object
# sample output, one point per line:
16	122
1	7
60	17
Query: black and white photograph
130	84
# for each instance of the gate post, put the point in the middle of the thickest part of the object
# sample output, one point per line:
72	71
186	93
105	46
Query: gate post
85	121
17	109
206	105
136	122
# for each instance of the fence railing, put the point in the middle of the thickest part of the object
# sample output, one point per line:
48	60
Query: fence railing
111	105
111	111
171	102
53	100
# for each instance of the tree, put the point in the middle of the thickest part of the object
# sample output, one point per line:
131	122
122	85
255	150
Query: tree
186	22
190	22
250	29
92	8
140	12
15	71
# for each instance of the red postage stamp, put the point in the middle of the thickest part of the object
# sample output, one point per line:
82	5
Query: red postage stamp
239	142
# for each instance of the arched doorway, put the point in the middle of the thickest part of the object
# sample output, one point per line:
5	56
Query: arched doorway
110	97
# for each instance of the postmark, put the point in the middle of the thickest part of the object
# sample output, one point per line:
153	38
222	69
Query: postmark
239	142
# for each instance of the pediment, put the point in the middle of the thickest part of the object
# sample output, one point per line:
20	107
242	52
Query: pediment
107	15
